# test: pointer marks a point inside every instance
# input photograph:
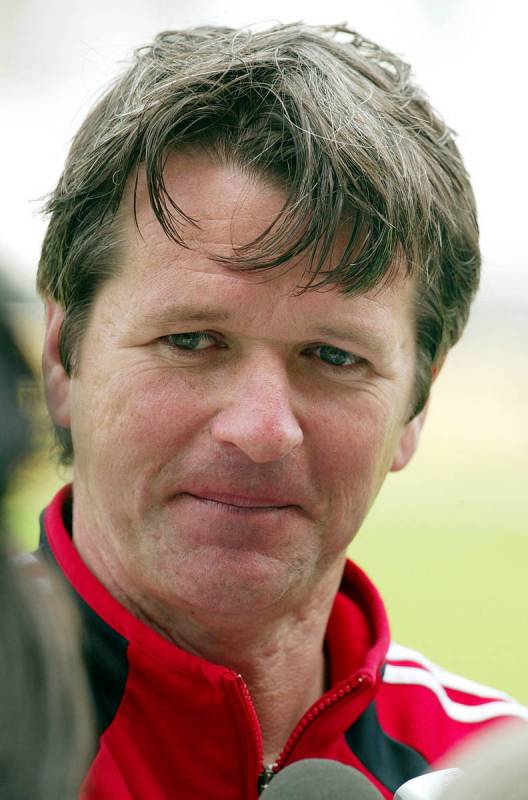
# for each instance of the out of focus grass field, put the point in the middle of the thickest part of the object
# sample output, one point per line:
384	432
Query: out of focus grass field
447	540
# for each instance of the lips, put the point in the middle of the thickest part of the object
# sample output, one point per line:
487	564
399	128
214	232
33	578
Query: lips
243	500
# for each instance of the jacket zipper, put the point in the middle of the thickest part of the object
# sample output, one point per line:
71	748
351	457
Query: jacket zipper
264	779
268	771
254	723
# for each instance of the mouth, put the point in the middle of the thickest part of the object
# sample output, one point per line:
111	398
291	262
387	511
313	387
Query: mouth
242	504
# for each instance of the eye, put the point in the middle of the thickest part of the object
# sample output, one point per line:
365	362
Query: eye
335	357
191	340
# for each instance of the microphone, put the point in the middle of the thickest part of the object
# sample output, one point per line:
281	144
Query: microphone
494	766
430	786
320	779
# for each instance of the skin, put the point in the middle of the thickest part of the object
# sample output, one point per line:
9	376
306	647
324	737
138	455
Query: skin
221	485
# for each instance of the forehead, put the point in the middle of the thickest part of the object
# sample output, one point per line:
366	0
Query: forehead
229	208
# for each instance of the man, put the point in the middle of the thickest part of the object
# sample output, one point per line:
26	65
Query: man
259	253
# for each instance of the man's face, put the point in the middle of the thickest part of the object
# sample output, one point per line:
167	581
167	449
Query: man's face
230	435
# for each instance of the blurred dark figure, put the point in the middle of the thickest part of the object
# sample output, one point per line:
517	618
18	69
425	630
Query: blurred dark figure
44	716
14	425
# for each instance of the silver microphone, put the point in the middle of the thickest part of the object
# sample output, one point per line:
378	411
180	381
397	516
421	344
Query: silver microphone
430	786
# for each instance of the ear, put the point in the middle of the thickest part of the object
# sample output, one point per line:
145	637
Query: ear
410	434
56	381
408	442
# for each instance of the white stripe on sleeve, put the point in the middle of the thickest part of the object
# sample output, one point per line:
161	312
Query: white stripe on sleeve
398	652
414	676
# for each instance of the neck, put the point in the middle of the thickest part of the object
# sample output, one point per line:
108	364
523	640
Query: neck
281	659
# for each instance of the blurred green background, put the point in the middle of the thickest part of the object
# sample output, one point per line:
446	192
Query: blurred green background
446	542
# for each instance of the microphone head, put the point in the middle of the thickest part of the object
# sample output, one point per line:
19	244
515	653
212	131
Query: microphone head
494	766
320	779
430	786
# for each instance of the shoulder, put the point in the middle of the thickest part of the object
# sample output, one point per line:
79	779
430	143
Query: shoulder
433	709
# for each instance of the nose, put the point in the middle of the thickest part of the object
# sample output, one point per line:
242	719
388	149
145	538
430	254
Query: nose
257	418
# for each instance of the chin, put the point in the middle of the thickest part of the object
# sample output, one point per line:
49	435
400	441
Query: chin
235	583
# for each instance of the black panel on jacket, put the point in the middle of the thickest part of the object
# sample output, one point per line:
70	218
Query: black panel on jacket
390	761
105	658
104	650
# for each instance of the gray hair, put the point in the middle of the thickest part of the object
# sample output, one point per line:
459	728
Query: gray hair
333	117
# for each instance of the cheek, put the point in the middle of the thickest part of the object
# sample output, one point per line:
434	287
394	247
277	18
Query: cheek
138	419
353	457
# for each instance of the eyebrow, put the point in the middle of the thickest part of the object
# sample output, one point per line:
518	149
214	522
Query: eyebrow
368	338
187	313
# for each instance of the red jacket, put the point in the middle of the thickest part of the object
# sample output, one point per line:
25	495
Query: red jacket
172	725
